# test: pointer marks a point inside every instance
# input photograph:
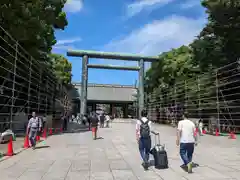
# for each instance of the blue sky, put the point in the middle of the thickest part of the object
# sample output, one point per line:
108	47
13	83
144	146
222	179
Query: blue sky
146	27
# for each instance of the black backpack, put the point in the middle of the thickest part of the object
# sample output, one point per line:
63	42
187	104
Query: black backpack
102	118
94	119
144	129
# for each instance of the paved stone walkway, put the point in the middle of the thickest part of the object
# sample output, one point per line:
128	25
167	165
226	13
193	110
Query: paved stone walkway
75	156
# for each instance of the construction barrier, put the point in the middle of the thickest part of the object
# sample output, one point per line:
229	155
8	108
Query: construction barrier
10	147
26	142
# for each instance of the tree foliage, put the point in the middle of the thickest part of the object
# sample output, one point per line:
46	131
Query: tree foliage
32	24
62	68
26	39
215	46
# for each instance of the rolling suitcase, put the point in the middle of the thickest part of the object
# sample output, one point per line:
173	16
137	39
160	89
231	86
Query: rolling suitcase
159	154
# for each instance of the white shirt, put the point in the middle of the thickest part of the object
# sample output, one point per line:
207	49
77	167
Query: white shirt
107	117
34	122
144	119
186	128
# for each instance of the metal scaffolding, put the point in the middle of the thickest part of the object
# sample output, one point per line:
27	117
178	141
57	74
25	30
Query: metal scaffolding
26	85
213	97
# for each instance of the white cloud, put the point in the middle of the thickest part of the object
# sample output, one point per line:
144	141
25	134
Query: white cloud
190	4
73	6
65	44
68	41
158	36
140	5
63	47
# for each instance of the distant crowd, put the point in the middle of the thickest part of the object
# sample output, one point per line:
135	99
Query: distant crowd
94	120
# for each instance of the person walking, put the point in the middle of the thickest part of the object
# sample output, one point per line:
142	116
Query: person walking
102	119
143	129
200	127
186	139
107	120
34	126
84	120
64	121
89	121
94	124
44	121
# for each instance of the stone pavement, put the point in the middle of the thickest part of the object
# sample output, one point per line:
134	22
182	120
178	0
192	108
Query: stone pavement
74	156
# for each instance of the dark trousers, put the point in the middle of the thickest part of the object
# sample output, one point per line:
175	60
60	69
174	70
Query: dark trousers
186	152
102	124
32	136
65	125
107	124
144	148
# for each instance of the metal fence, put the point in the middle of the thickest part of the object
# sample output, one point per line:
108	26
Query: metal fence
26	85
213	97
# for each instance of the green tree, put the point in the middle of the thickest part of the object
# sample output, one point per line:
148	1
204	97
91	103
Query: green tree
62	68
32	23
218	42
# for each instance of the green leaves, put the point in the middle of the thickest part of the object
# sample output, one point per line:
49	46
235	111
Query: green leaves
217	45
171	67
62	68
32	23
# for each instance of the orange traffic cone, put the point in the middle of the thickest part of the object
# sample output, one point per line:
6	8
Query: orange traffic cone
232	135
204	131
44	134
37	138
10	148
217	132
55	130
26	142
50	131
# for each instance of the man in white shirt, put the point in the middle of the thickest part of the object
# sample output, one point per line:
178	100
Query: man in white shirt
143	129
34	126
186	139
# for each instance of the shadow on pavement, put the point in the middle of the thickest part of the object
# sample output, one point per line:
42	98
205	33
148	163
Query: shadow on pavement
98	138
195	165
77	130
152	163
42	147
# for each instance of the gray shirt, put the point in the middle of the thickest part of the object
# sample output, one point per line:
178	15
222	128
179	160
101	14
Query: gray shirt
34	123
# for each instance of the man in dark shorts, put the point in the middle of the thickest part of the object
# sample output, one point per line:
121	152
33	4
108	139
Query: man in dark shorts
94	124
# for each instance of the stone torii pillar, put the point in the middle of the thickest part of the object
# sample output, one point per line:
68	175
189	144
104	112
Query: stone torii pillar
141	87
83	108
110	55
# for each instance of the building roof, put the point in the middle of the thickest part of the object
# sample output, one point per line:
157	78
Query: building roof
105	93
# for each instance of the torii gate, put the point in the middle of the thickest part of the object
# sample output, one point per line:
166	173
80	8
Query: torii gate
113	56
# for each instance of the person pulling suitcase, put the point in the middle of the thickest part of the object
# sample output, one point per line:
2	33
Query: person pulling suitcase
143	136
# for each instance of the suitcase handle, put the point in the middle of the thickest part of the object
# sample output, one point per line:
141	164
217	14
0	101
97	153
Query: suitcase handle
157	137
